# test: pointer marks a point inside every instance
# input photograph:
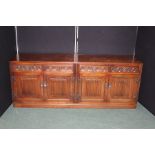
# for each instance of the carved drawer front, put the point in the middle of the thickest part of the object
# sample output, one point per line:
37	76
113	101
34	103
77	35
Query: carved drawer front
125	69
27	67
93	69
58	68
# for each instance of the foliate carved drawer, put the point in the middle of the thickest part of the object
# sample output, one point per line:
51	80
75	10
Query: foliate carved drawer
93	69
125	69
59	68
26	67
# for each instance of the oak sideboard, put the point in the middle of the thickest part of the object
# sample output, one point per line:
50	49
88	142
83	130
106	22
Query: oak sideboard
56	81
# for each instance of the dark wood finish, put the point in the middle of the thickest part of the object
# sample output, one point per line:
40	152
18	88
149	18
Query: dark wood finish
123	88
92	89
27	87
54	80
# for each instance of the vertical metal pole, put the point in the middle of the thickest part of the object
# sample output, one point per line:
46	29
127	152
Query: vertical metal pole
17	47
76	44
134	51
76	86
77	47
77	32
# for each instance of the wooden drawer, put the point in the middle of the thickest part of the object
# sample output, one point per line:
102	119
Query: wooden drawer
26	68
93	69
124	69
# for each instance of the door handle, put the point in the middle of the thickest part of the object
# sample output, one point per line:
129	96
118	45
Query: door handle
110	85
42	84
45	85
106	85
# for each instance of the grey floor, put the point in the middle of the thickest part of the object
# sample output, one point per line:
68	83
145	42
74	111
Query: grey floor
27	118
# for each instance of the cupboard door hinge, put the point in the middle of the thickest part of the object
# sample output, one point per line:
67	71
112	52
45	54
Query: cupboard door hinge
12	78
13	95
135	96
137	80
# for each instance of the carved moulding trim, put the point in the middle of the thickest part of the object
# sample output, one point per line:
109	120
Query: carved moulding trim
94	68
56	68
127	69
28	67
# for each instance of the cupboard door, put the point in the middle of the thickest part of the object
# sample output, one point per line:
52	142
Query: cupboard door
27	87
92	89
123	88
58	88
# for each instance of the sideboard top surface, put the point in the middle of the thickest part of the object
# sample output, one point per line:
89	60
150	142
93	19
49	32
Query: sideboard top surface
81	58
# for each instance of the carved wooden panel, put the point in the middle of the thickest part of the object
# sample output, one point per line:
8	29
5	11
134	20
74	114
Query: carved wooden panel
59	68
123	88
27	67
92	89
125	69
58	88
27	86
93	69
